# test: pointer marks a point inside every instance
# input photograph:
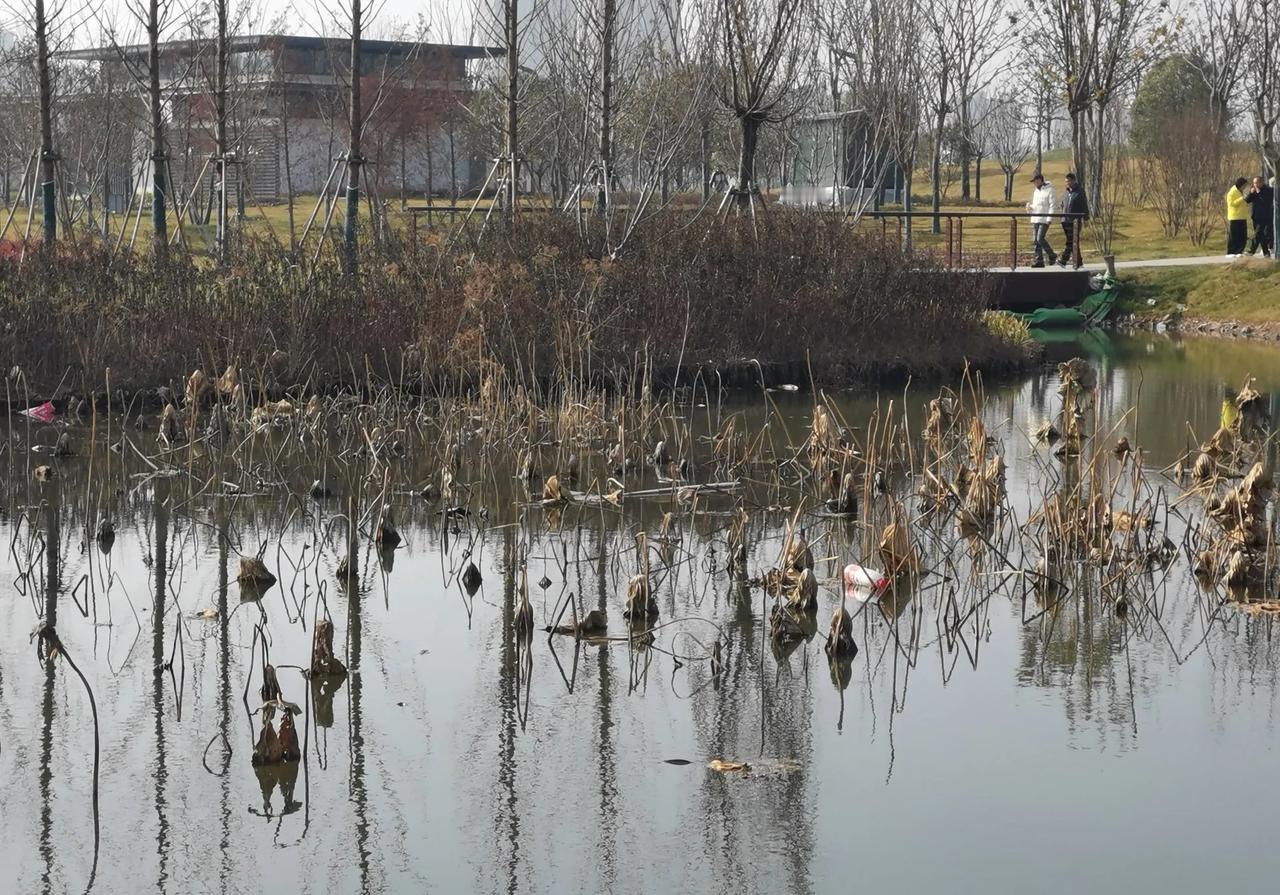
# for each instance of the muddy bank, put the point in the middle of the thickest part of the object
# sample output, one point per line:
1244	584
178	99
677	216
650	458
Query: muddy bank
1174	322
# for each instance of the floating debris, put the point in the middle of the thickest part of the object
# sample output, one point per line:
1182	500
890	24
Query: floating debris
319	491
323	661
471	579
42	413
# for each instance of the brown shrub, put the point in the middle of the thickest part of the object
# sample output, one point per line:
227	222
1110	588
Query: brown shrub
806	288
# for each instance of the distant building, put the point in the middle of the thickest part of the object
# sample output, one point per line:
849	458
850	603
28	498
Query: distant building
837	163
287	113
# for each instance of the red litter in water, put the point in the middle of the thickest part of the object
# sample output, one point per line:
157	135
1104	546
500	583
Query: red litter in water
43	413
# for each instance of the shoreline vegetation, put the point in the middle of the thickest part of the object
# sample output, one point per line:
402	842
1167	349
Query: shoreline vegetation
792	298
1241	299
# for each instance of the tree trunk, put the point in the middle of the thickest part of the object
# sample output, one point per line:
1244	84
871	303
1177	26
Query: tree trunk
354	160
1039	147
935	173
47	155
453	167
220	129
908	204
159	157
431	169
935	167
1078	148
977	178
1096	172
747	158
1275	210
512	23
288	167
1008	185
704	148
606	100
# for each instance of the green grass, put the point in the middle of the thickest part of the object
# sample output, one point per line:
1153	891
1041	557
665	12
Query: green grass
1247	291
1138	234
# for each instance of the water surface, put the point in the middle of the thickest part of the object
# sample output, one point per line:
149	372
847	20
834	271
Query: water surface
1034	753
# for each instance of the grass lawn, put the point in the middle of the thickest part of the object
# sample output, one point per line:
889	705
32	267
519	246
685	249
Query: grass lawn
1247	291
1138	234
985	241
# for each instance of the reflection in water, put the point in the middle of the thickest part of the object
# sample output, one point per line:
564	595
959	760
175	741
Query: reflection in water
358	793
577	794
270	777
222	515
508	815
160	558
53	533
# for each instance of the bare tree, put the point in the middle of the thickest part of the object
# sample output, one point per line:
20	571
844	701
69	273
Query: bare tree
355	20
221	53
1093	50
355	123
875	76
48	157
979	31
46	23
1263	68
760	59
154	18
1005	134
1216	33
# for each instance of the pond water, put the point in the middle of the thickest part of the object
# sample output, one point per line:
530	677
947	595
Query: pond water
1013	750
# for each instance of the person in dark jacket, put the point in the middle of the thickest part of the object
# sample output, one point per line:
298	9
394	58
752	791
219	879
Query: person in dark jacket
1075	211
1260	198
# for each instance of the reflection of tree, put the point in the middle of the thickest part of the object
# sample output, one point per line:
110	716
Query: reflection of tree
1078	649
224	688
604	744
757	713
160	549
508	708
53	530
359	793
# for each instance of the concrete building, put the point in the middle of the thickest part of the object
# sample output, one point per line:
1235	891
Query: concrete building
838	163
287	113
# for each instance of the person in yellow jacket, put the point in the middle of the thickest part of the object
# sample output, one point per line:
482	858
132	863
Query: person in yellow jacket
1237	218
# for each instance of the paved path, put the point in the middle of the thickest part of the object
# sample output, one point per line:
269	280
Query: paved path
1197	261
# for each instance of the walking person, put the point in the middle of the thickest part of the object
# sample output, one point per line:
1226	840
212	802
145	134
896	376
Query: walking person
1041	207
1237	218
1261	198
1075	211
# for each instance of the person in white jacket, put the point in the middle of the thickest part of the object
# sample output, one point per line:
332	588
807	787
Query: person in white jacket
1042	206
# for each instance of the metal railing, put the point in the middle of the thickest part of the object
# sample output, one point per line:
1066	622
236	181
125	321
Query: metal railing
953	229
953	252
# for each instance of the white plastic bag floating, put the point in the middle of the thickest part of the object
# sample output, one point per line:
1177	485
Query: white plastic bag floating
863	584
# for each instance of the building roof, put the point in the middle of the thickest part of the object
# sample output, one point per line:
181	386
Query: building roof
245	43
